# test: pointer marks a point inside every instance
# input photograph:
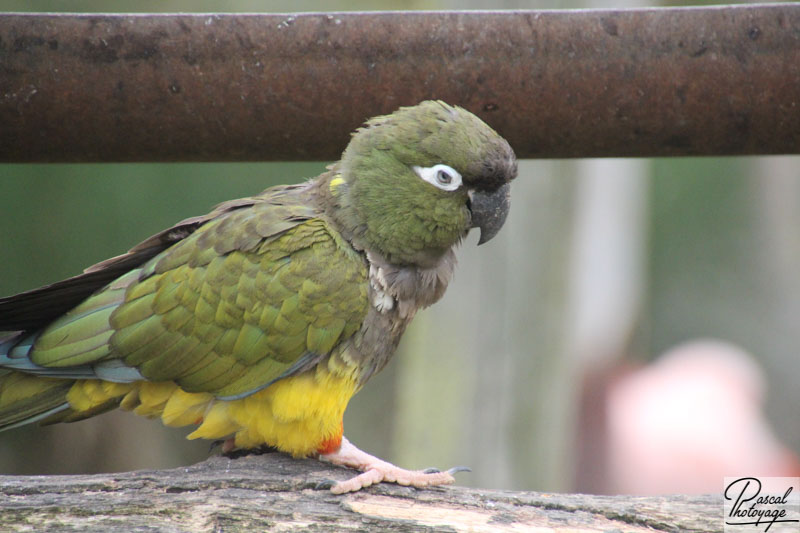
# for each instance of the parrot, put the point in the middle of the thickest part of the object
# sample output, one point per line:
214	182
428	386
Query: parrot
256	323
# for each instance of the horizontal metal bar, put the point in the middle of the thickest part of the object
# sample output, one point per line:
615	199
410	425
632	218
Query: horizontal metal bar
652	82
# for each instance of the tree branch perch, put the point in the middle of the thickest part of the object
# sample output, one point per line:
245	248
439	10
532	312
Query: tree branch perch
275	492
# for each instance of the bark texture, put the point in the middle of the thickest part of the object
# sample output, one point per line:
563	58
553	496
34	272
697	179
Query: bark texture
273	492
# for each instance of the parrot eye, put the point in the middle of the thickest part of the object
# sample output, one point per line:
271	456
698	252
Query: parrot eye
442	176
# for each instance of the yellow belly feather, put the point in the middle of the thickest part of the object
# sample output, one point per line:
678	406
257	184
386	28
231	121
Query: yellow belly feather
295	415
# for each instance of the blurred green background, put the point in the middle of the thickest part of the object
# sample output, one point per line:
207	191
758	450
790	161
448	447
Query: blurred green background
603	265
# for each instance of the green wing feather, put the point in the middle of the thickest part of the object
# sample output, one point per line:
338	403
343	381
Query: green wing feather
248	297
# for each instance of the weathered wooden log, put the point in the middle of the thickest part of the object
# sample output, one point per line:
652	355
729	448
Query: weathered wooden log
274	492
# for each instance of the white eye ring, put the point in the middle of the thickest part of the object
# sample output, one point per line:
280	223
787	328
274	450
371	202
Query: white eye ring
442	176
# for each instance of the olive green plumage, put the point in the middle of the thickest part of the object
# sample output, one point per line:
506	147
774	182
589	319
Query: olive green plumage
226	310
269	286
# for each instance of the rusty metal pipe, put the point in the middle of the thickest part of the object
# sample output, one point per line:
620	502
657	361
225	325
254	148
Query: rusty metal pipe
647	82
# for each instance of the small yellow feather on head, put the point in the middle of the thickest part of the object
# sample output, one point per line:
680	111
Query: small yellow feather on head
335	184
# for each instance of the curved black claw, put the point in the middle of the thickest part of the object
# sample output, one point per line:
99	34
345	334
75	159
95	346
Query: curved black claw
454	470
325	484
215	444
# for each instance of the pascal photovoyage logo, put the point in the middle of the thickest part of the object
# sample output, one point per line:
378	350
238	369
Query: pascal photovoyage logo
762	504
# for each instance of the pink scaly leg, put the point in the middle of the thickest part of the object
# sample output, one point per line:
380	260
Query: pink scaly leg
375	470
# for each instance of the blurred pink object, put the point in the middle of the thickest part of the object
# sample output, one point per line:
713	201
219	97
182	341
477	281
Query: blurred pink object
683	423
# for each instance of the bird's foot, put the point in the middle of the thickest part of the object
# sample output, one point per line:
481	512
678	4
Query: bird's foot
228	445
375	470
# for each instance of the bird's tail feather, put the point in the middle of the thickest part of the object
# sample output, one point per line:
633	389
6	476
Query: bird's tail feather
26	398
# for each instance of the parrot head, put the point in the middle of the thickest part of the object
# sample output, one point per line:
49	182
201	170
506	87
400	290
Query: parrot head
413	183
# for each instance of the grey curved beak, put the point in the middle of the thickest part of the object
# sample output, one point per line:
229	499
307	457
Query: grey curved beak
489	211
